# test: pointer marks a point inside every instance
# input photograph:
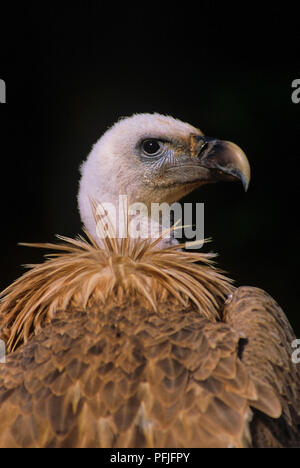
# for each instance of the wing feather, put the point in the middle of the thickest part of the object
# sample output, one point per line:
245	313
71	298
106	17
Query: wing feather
267	355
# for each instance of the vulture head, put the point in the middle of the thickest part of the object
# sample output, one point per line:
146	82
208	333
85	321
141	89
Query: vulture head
153	158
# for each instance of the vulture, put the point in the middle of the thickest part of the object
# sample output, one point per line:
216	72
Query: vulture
137	342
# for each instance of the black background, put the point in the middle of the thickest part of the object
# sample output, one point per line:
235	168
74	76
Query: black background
71	71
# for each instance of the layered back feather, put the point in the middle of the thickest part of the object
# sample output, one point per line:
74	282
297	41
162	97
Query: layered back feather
125	345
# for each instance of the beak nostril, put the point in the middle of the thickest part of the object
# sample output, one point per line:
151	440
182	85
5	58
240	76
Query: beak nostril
203	148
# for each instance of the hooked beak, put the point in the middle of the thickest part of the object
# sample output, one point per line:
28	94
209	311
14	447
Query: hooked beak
223	156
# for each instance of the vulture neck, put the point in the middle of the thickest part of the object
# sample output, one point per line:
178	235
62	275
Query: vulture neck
145	216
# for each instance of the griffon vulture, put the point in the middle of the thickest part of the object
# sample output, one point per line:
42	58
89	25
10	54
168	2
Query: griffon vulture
136	343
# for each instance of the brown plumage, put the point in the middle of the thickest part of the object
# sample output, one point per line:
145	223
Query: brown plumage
128	346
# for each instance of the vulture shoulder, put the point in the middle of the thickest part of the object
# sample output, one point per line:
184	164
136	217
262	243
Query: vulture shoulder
266	351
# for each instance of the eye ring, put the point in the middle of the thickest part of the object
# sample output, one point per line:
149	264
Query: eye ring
151	147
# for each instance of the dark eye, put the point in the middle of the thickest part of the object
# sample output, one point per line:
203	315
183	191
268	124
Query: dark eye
151	147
